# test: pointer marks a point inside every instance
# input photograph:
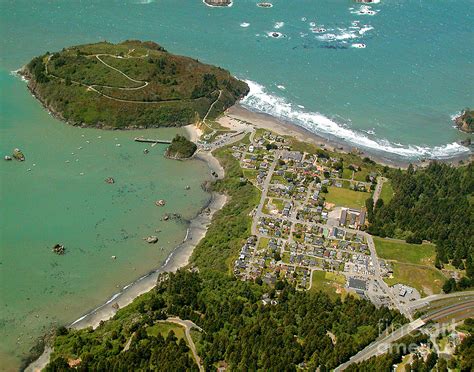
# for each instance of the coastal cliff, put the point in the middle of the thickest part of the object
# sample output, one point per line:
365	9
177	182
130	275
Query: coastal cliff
465	121
132	84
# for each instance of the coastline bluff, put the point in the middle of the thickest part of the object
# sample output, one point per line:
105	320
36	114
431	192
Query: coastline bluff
132	84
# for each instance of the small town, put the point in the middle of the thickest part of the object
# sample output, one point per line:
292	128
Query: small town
298	234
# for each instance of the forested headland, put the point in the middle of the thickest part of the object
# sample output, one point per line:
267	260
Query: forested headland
132	84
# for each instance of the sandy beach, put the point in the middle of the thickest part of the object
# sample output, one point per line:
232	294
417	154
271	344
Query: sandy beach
238	117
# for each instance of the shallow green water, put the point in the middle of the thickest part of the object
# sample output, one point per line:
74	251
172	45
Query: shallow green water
52	202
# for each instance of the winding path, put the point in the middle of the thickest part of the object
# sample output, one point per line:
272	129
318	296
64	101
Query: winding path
188	325
145	83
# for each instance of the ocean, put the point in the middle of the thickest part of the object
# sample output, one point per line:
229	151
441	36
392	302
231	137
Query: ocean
387	78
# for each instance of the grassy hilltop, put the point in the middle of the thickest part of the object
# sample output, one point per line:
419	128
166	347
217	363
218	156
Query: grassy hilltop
130	84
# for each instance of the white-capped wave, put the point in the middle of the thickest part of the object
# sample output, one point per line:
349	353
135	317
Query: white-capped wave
365	10
281	87
345	35
278	25
365	29
259	100
244	24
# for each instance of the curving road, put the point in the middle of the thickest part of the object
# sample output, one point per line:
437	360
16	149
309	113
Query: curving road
188	325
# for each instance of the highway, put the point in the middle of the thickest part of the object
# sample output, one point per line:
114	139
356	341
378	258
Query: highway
382	344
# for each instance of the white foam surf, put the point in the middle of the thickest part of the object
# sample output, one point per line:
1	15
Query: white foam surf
261	101
244	24
278	25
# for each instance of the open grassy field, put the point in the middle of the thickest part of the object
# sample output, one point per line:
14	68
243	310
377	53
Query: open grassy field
164	328
387	192
398	250
328	283
362	174
346	198
427	280
263	243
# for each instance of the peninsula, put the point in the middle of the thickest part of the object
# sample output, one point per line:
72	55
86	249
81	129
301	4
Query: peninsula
132	84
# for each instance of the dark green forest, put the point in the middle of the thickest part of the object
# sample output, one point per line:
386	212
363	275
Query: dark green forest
238	328
435	203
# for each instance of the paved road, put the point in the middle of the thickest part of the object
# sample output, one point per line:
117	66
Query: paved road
426	301
382	345
265	185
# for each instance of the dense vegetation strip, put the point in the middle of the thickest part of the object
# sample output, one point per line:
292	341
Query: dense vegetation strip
232	224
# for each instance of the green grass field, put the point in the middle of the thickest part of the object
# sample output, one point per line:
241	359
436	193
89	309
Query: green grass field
347	174
263	243
328	283
361	175
427	280
387	192
398	250
164	328
346	198
413	264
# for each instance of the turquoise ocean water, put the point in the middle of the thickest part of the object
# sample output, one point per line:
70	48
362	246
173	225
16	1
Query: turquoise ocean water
386	78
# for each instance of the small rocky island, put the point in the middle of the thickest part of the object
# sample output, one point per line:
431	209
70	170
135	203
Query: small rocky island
132	84
180	148
465	121
218	3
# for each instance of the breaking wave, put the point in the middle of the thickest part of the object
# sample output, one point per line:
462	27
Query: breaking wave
259	100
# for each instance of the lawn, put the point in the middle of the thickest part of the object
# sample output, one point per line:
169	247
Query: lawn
164	328
426	280
346	198
387	192
328	283
347	174
398	250
263	243
361	175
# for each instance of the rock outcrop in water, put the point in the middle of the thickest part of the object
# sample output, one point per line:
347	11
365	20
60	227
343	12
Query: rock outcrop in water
220	3
465	121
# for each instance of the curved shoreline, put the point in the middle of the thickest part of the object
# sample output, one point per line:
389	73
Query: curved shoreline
288	128
178	258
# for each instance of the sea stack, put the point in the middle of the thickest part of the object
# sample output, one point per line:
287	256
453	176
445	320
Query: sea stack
218	3
465	121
